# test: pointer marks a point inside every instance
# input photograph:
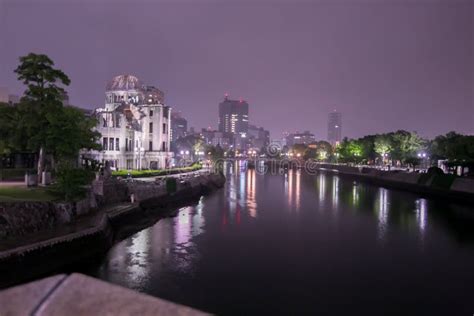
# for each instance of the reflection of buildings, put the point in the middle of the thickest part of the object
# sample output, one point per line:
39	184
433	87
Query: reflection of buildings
293	188
168	243
251	193
334	127
132	257
135	126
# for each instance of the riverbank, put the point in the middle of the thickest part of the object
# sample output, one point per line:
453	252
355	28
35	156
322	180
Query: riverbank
434	185
47	251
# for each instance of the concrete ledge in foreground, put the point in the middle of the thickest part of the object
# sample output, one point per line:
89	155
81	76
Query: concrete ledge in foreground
78	294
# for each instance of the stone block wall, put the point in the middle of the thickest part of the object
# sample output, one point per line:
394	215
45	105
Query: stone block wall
21	218
463	185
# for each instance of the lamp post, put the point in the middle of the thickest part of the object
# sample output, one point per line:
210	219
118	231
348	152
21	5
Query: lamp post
384	159
423	156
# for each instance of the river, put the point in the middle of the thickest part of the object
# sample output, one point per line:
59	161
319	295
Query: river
296	243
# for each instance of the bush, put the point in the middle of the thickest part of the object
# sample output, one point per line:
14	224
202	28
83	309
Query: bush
171	185
435	171
155	173
70	184
443	181
440	179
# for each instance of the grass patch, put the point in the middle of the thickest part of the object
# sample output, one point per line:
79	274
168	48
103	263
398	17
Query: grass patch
155	173
11	194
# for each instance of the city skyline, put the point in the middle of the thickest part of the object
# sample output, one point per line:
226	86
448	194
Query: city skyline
236	157
382	75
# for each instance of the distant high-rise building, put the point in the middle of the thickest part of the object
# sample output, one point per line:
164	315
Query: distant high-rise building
258	137
304	138
179	126
233	116
335	127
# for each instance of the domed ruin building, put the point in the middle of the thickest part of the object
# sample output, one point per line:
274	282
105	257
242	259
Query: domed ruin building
135	126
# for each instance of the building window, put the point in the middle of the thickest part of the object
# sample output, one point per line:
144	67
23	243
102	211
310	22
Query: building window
151	145
130	145
117	144
163	146
164	128
111	143
105	143
151	127
151	113
126	144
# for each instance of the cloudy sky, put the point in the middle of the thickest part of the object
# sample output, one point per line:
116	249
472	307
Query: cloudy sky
385	64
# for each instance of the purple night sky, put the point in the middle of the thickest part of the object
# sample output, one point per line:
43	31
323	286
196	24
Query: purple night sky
386	65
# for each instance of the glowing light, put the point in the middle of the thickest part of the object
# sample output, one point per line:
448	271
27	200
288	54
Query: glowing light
383	213
421	216
335	192
251	200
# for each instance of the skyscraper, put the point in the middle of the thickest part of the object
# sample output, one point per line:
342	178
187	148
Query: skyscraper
233	116
334	127
179	126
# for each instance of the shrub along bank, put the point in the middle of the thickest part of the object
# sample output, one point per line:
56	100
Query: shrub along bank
155	173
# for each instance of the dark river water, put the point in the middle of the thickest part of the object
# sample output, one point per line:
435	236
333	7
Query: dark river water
296	244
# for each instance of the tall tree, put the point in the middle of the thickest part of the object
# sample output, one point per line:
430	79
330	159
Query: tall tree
383	145
406	145
43	96
70	130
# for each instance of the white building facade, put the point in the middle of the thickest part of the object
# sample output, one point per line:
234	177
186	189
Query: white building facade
135	126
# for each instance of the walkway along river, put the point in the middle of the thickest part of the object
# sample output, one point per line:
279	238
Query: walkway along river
295	243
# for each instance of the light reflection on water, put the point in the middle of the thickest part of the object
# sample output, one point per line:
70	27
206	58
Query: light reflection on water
251	193
382	211
169	240
267	233
322	188
335	193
